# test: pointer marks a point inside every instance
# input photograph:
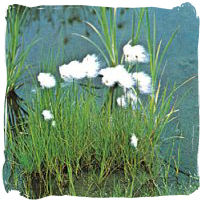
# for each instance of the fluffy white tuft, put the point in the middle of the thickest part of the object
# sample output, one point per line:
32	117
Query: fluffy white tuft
47	115
129	98
118	74
144	82
91	65
134	140
121	101
134	54
123	77
46	80
73	70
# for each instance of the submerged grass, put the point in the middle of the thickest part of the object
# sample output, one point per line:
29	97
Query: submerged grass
88	152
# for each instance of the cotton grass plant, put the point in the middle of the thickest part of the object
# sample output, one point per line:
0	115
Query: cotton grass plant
70	140
16	55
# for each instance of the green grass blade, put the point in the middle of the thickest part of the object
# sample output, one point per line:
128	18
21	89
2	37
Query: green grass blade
140	18
101	38
154	39
114	36
95	45
133	27
158	51
105	26
149	43
166	47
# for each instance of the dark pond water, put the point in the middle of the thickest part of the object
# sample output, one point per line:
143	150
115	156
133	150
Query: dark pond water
55	25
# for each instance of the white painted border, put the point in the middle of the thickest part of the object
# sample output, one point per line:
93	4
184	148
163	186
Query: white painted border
200	8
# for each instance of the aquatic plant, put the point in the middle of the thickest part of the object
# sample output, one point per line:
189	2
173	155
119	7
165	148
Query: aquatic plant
16	55
71	139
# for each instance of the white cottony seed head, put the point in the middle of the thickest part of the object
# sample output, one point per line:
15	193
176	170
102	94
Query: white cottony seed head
134	54
108	78
46	80
91	65
47	115
144	82
73	70
118	74
121	101
129	97
134	140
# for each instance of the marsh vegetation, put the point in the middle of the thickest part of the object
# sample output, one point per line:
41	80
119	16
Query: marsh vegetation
95	126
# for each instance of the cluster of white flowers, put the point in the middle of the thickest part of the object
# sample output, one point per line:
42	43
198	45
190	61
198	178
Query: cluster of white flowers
129	98
89	67
144	82
47	114
46	80
134	54
134	140
119	75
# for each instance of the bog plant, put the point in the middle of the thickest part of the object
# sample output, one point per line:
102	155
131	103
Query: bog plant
16	55
69	136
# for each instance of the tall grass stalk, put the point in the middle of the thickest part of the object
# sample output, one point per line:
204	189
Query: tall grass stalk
135	36
16	55
155	57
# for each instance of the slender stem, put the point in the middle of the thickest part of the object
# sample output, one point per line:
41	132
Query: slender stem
111	96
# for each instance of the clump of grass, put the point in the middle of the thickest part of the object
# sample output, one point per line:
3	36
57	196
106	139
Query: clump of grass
89	143
16	55
15	107
83	140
